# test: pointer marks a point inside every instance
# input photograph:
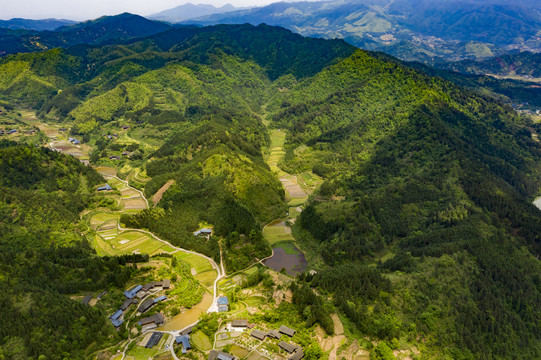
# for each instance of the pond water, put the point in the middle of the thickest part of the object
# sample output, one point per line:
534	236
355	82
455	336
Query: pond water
187	318
288	256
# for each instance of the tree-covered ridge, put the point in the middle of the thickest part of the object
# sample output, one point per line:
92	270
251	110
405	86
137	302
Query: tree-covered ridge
105	29
44	258
429	170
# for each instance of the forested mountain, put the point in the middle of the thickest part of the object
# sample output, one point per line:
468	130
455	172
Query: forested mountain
105	29
423	231
190	11
427	31
44	258
525	64
39	25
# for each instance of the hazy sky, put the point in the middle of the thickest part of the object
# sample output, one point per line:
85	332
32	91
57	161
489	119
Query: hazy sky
90	9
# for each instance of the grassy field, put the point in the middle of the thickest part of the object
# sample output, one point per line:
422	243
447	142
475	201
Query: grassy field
201	341
251	270
100	219
238	351
207	278
309	181
141	353
199	263
276	232
254	300
289	248
276	151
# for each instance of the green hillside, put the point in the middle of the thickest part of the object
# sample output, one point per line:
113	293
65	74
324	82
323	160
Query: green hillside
428	173
45	260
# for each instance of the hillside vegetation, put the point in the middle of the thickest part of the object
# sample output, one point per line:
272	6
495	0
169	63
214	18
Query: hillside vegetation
45	259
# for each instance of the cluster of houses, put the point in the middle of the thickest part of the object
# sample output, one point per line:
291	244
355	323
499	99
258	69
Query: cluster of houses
295	351
132	297
74	141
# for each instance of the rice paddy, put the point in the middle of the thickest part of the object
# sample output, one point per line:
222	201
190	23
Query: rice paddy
277	232
201	341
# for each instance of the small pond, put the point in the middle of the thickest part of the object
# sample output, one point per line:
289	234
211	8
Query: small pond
288	256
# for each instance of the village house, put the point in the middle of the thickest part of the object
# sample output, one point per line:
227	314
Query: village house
185	341
156	319
258	334
288	331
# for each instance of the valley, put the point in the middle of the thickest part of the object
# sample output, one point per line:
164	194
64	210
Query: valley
260	195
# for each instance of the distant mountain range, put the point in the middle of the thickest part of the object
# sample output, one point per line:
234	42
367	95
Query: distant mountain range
525	64
93	32
431	32
39	25
190	11
424	30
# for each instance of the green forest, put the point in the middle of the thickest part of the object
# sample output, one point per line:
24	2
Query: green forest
422	232
45	259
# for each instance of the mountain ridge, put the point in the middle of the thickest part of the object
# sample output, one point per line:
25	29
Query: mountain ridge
189	11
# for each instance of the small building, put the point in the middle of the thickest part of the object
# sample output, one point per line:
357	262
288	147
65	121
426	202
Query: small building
185	341
102	294
106	187
286	330
12	131
223	300
157	319
290	348
114	157
127	303
116	315
117	323
160	298
86	299
76	142
130	294
220	355
258	334
274	334
164	284
223	304
187	331
240	323
147	304
203	232
299	354
154	339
